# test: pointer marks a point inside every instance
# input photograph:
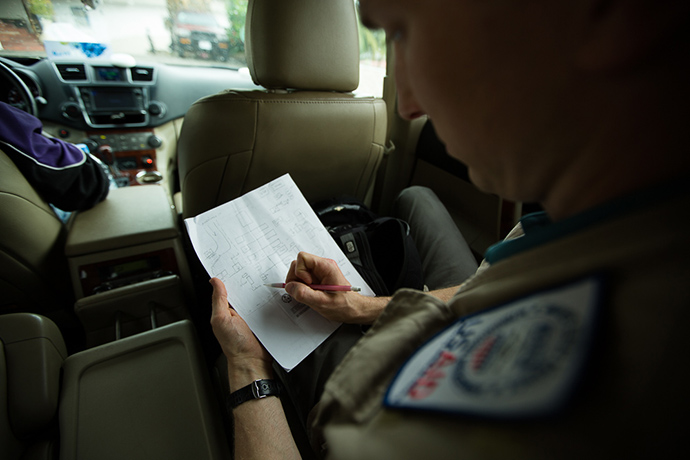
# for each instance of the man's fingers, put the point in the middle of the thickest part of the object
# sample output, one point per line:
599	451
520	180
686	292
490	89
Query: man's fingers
303	267
291	276
312	269
219	298
300	292
316	300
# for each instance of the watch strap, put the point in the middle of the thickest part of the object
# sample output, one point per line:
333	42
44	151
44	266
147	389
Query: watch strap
258	389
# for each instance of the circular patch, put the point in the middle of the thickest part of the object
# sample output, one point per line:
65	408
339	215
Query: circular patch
519	350
517	360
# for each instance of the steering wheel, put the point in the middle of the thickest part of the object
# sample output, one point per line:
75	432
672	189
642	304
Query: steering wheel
22	89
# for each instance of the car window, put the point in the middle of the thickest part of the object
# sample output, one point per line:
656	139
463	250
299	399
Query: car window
181	32
372	61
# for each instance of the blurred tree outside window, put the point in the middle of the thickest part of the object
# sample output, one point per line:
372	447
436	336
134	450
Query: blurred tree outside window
41	8
372	61
237	15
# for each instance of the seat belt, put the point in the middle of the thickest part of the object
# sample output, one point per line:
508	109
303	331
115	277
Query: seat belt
389	96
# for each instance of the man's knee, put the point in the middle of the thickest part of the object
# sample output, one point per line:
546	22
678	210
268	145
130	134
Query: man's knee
415	191
412	195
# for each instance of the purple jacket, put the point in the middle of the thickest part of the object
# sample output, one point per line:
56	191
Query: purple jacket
63	174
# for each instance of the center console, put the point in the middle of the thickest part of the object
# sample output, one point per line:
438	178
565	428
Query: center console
106	96
127	264
111	106
131	153
116	106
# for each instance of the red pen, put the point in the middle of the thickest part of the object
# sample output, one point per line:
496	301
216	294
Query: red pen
321	287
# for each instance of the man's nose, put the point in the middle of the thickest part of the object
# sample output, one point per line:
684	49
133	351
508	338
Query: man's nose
408	107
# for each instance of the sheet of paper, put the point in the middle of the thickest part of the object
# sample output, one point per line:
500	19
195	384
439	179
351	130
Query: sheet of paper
251	241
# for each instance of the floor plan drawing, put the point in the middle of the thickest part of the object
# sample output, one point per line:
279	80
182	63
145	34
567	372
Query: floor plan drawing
251	241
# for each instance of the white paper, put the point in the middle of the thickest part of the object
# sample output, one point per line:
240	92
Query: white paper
251	241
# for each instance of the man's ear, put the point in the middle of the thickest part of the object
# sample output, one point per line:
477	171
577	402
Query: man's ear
622	34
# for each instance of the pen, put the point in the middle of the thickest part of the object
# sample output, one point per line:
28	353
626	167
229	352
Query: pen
321	287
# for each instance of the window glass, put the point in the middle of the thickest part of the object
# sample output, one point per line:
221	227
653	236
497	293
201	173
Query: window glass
185	32
372	61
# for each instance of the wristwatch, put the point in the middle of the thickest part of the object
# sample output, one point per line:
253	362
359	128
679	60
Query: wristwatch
258	389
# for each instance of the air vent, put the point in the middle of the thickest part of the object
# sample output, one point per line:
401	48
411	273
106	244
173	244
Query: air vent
72	72
142	74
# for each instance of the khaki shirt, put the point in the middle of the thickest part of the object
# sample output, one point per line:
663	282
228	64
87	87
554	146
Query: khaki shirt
632	400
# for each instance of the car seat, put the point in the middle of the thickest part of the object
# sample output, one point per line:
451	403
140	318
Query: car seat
33	266
143	397
307	122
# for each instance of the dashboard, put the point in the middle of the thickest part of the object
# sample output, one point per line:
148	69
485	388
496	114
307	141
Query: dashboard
127	115
96	94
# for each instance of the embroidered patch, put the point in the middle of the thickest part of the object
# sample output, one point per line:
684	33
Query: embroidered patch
522	359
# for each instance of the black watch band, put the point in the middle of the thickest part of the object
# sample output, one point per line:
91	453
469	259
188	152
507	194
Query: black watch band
258	389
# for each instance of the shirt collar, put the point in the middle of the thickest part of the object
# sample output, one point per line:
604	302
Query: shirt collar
539	229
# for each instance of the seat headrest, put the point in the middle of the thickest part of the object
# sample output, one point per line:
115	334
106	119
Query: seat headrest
303	44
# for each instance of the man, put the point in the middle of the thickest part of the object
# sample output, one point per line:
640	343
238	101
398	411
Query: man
572	343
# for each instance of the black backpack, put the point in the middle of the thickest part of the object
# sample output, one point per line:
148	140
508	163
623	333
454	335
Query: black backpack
380	248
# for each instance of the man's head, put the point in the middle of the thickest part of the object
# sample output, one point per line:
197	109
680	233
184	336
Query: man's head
533	94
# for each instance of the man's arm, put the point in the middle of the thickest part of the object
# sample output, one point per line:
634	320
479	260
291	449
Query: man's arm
346	307
261	429
63	174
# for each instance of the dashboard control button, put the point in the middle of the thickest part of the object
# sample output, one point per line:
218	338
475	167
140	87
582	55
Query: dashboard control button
154	141
147	161
156	109
71	110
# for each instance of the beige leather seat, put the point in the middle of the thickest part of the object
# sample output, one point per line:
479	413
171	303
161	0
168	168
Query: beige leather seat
143	397
31	354
33	266
307	122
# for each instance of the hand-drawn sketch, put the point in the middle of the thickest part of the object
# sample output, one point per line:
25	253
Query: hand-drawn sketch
251	241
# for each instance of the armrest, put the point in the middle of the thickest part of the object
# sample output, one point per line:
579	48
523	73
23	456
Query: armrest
34	352
128	217
146	396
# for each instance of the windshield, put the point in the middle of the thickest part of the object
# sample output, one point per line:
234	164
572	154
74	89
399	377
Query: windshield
181	32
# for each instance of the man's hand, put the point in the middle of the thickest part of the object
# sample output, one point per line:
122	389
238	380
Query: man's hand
346	307
261	429
247	359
